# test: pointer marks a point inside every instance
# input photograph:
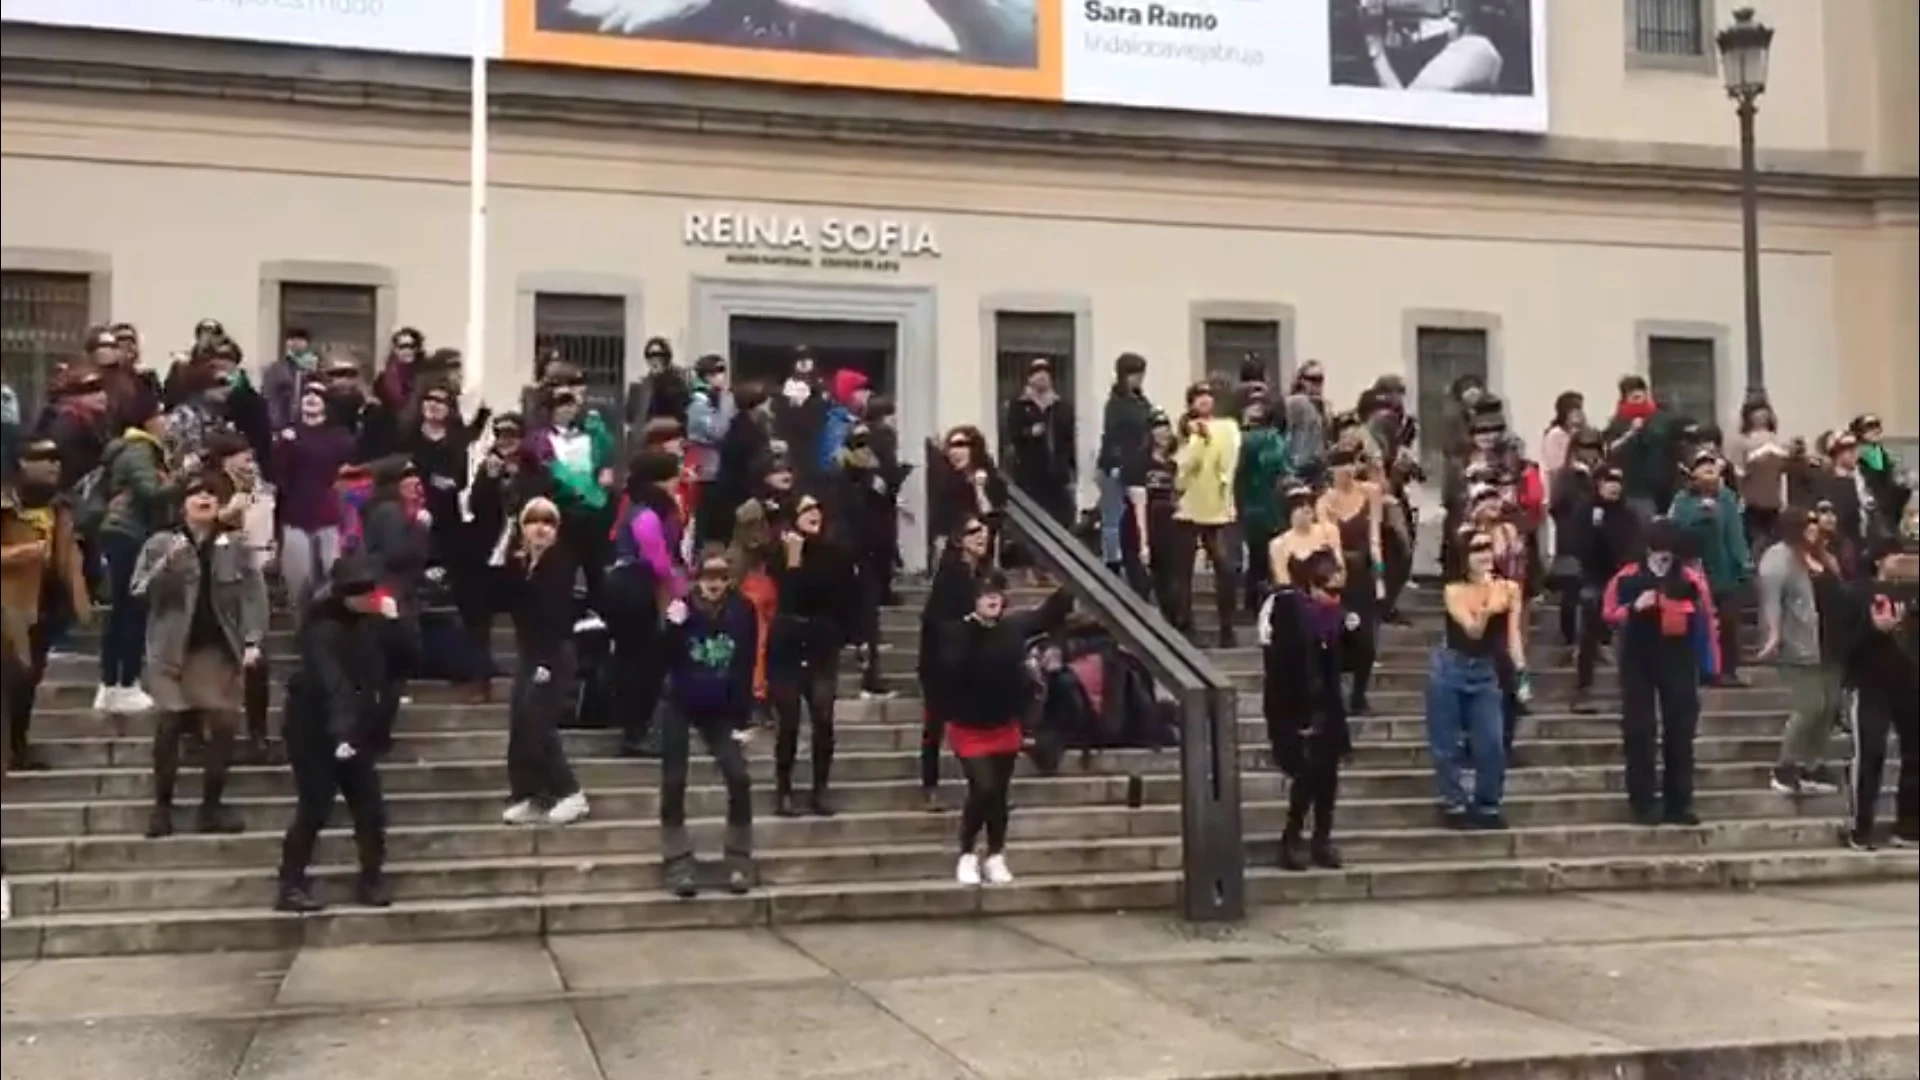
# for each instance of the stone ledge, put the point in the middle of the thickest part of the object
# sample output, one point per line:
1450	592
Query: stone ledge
37	57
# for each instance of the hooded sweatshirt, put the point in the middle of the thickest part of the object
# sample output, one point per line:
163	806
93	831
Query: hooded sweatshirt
1205	477
840	416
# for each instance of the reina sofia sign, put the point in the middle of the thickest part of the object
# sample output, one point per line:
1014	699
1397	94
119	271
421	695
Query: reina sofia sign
793	239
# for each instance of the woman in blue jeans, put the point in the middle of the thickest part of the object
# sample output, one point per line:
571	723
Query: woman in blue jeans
1464	714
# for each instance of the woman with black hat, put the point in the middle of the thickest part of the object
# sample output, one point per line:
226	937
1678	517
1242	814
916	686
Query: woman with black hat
332	713
206	617
818	602
1302	629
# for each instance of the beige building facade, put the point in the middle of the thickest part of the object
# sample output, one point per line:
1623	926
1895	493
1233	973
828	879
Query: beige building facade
940	244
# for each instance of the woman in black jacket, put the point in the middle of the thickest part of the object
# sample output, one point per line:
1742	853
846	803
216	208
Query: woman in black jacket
985	688
1610	537
964	485
1302	636
393	537
818	599
541	580
949	599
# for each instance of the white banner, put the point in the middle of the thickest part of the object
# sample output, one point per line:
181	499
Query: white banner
1422	63
434	27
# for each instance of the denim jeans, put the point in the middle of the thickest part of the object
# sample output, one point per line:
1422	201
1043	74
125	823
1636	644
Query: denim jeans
1464	703
123	644
1113	515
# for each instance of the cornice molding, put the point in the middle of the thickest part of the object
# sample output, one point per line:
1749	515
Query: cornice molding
95	62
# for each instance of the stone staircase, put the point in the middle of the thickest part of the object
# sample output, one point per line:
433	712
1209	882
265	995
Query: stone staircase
86	883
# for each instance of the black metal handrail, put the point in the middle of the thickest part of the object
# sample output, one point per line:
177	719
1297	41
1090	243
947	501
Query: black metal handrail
1213	860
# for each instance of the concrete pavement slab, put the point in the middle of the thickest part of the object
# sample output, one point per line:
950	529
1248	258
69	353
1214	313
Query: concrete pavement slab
11	968
1142	937
1566	919
1367	927
1744	912
209	984
1896	897
465	971
1670	994
476	1043
171	1049
1354	1015
599	962
895	950
807	1031
1080	1024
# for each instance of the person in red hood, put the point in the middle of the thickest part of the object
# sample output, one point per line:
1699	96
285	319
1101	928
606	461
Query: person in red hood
395	386
1640	442
851	389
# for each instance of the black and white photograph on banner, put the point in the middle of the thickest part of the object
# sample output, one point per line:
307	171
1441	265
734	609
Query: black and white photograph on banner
1432	46
988	33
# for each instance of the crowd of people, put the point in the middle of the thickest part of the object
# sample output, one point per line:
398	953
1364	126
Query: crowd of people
734	545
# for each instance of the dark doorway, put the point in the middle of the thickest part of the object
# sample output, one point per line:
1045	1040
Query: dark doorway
762	349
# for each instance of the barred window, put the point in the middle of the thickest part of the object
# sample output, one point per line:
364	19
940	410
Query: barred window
590	331
1227	343
1020	338
1443	356
43	323
1685	377
1670	27
337	318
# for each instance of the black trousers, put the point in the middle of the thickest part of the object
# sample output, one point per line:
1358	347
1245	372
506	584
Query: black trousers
318	778
255	685
1257	572
988	809
23	688
1591	636
1568	589
584	531
639	678
1157	576
875	580
1659	716
676	747
1218	541
1314	788
1878	717
1727	610
402	640
933	732
537	765
803	675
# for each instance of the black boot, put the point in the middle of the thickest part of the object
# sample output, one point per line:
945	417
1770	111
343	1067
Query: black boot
160	823
372	890
820	804
218	819
783	804
298	899
1290	852
1323	854
679	874
1357	704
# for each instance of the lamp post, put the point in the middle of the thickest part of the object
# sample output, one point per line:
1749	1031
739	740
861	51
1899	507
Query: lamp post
1743	63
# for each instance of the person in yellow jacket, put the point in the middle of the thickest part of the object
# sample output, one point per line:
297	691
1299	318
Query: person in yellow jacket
1208	454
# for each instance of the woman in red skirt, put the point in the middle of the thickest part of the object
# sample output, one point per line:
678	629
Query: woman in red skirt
985	687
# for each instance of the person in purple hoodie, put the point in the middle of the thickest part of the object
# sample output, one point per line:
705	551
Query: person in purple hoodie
307	458
712	637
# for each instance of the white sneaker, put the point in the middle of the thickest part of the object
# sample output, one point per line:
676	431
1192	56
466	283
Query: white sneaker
524	812
996	870
967	871
106	698
6	899
135	701
568	810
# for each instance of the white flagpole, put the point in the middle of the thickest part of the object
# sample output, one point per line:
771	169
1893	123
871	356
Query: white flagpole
476	353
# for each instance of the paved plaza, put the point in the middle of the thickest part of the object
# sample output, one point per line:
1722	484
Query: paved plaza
1801	983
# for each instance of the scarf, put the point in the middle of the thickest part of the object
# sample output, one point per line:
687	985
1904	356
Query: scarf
1873	457
304	360
1628	410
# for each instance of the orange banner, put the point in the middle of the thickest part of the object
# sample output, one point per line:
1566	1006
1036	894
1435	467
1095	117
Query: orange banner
978	48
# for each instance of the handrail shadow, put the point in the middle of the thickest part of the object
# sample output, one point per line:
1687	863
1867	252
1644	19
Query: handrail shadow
1213	860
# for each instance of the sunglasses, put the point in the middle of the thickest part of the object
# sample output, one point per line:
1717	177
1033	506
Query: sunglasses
806	507
542	519
976	530
959	444
713	573
343	373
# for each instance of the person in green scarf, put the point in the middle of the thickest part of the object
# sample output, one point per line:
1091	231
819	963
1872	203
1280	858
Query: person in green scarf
577	450
1265	463
1883	476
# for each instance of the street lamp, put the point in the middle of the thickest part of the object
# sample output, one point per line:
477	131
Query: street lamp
1743	62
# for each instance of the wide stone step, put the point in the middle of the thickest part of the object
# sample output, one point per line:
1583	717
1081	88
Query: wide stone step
1393	688
1386	799
232	927
898	757
922	858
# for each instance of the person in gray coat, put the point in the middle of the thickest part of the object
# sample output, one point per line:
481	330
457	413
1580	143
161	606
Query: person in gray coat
1801	591
206	617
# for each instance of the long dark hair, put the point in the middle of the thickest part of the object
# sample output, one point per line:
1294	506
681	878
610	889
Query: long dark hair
1754	408
1564	407
978	456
